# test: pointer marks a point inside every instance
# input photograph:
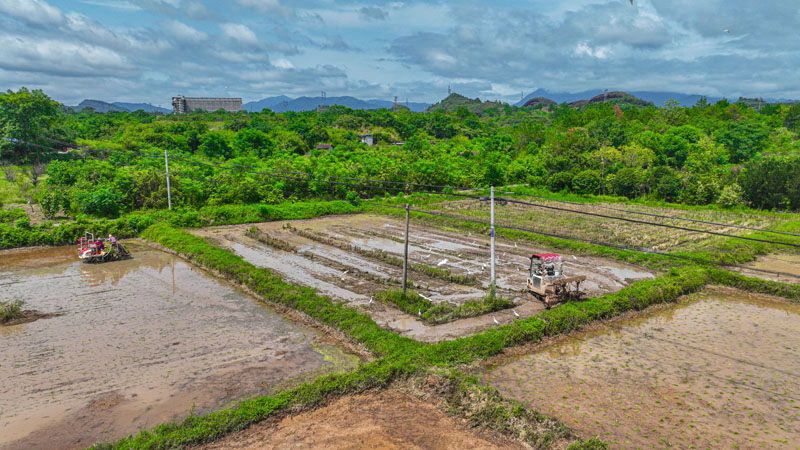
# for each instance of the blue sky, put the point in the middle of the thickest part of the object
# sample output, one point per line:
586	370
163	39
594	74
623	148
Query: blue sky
150	50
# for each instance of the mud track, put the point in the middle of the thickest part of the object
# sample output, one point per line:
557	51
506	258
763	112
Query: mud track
354	278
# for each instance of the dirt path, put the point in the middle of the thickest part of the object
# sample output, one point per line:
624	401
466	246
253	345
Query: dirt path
389	419
134	344
354	278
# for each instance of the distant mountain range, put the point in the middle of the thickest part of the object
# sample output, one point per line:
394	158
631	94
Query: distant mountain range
658	98
283	103
104	107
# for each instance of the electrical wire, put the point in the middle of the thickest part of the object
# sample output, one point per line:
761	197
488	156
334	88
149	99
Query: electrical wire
687	219
663	225
604	244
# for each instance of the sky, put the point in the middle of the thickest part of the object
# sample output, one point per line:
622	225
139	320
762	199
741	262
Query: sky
151	50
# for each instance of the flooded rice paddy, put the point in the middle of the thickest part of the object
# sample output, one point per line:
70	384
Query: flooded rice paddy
354	278
134	344
721	370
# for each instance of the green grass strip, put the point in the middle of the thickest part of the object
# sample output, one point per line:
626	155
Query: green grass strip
435	313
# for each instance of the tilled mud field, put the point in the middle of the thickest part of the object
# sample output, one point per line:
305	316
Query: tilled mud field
721	370
320	253
388	420
134	344
778	267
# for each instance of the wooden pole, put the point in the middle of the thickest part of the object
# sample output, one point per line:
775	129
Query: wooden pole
405	257
169	193
491	281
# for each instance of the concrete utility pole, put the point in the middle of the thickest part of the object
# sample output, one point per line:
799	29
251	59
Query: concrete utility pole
491	281
169	193
405	257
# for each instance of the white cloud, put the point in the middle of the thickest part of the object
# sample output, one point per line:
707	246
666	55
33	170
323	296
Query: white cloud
183	32
239	32
113	4
267	7
60	58
595	52
32	11
283	63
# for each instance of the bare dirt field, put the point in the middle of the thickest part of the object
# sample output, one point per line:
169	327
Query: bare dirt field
313	253
388	419
720	370
134	344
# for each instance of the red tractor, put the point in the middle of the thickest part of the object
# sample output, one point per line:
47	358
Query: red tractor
547	282
98	250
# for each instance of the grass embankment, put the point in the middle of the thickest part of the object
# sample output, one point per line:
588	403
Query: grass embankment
132	224
435	313
11	311
386	258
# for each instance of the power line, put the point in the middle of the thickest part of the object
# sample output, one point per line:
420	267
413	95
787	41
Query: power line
742	227
663	225
604	244
369	180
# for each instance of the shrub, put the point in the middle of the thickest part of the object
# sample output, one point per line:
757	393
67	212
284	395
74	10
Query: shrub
731	195
11	311
586	182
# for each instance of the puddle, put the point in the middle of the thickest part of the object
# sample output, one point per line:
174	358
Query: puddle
137	343
721	371
788	265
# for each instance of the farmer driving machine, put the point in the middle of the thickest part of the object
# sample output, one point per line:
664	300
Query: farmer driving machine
547	282
99	250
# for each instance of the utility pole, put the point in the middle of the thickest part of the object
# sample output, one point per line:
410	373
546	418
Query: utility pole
491	281
169	193
405	257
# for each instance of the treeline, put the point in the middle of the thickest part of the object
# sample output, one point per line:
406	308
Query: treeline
729	154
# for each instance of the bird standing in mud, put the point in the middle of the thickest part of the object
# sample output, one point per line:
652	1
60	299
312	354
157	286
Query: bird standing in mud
495	320
516	314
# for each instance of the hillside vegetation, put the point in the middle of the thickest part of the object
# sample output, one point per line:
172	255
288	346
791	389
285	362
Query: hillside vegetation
110	164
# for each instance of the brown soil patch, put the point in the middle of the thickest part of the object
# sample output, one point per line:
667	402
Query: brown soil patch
389	419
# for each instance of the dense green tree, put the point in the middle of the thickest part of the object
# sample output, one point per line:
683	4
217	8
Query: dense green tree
27	118
214	144
773	183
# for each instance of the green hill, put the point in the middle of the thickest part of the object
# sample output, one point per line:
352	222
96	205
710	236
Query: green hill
454	101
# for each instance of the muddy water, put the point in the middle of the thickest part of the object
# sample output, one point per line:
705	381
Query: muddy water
720	371
137	343
780	267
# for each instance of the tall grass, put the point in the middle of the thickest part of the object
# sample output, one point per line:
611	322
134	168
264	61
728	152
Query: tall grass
11	311
435	313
